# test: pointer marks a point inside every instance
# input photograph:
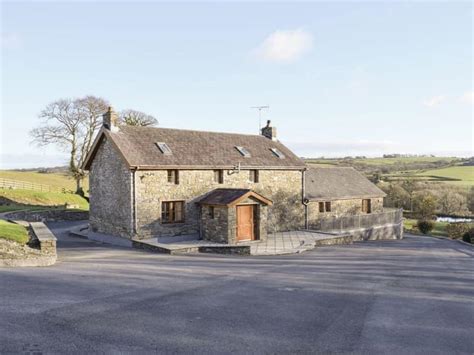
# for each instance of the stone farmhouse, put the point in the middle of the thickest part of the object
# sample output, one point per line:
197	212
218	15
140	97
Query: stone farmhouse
228	188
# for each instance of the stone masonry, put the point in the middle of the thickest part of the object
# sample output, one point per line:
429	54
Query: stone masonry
342	208
283	187
110	193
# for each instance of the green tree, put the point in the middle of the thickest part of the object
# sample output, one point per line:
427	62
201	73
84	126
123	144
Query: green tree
424	205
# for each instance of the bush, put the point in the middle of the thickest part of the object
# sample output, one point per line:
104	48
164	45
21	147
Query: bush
425	226
457	230
468	237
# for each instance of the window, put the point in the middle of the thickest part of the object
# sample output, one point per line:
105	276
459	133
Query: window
325	206
164	148
253	175
321	207
219	176
366	206
245	153
173	176
172	212
211	212
328	206
277	153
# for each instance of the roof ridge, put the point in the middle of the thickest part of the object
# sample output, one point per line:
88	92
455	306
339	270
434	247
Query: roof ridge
193	130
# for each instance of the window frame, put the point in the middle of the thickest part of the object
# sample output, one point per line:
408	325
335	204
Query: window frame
212	212
173	176
218	176
368	205
325	206
171	213
254	176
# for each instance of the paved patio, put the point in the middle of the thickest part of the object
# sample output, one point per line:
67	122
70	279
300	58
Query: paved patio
276	244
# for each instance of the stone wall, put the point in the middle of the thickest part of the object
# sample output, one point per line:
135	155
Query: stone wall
48	215
110	193
342	208
152	188
215	229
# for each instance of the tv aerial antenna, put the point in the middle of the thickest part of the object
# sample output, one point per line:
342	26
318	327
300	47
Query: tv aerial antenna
260	108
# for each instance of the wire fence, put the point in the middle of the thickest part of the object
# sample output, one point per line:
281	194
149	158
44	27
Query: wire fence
26	185
389	216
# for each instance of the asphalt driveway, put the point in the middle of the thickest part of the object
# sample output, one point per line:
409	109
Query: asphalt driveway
409	296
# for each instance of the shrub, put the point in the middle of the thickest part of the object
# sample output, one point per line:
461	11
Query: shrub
425	226
468	237
457	230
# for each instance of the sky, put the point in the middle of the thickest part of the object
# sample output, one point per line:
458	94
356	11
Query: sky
341	78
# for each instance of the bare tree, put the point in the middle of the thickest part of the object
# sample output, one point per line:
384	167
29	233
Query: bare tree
71	124
136	118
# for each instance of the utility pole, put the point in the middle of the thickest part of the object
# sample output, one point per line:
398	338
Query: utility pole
260	108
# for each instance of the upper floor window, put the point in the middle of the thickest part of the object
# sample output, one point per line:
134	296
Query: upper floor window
366	206
173	176
172	212
219	176
325	206
253	175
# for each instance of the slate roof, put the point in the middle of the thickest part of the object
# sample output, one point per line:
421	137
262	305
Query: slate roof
230	197
338	183
195	149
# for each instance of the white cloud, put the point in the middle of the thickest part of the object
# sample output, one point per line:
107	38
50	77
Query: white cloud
285	46
10	40
468	97
434	101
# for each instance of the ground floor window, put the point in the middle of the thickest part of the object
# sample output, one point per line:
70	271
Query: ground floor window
325	206
366	206
172	212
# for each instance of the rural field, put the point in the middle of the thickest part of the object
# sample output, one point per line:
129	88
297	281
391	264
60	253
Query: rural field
450	170
35	189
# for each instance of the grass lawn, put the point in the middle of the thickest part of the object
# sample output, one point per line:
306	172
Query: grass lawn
438	230
37	198
464	173
14	232
53	179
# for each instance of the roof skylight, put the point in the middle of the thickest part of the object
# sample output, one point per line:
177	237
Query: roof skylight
277	153
245	153
164	148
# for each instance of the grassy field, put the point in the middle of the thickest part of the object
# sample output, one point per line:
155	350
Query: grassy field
30	198
463	174
57	180
438	230
14	232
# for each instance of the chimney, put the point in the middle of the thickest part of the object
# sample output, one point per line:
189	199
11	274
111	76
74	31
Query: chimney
110	120
269	131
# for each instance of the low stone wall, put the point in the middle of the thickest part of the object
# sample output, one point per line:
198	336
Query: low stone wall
391	231
48	215
40	251
46	239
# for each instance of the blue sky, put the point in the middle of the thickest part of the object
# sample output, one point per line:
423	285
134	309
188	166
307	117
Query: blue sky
341	78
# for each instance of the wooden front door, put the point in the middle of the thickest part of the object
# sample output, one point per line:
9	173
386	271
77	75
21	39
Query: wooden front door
245	223
366	206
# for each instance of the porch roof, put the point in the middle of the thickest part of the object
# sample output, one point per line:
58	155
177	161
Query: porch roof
231	197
